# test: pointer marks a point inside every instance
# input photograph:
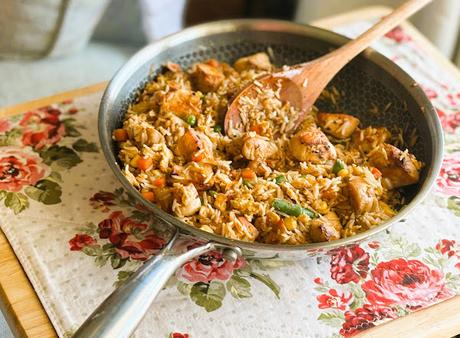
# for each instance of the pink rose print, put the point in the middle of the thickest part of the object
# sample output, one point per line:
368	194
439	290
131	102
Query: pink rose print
131	239
446	246
334	300
5	125
364	318
449	121
407	283
209	267
430	93
397	34
349	264
80	241
448	180
41	128
19	168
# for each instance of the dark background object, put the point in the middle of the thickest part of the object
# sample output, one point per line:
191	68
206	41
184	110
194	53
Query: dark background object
198	11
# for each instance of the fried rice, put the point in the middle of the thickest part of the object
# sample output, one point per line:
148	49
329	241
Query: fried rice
331	179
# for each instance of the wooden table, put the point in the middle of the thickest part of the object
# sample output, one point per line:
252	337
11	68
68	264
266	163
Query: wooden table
27	318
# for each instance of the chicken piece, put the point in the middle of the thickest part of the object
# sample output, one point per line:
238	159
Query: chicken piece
259	61
398	168
326	228
186	200
362	195
370	138
182	103
206	77
250	231
144	133
338	125
192	142
258	148
311	145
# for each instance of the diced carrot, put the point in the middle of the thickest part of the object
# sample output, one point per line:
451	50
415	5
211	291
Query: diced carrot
144	163
160	182
248	173
197	157
120	135
257	128
377	174
148	195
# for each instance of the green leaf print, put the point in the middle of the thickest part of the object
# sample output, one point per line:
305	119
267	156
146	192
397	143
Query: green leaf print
453	204
62	157
184	288
70	128
116	261
239	287
122	277
208	295
358	296
45	191
332	318
400	247
266	279
16	202
10	138
3	194
83	145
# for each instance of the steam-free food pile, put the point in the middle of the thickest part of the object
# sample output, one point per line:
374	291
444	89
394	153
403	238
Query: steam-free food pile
330	179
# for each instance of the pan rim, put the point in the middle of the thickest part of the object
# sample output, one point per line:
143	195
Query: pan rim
215	27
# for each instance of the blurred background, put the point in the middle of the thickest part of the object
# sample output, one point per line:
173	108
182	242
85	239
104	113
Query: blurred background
49	46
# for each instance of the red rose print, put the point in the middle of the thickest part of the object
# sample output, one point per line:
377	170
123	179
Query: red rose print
349	264
448	180
5	125
398	35
80	241
209	267
131	239
41	127
20	167
446	246
333	300
178	335
374	244
318	280
407	283
449	121
102	200
364	318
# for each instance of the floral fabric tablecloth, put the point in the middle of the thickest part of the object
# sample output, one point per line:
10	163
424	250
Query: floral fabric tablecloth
78	235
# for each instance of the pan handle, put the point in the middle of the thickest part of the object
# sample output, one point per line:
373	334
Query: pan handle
121	312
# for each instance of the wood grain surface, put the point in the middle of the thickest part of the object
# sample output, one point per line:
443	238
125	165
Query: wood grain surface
27	318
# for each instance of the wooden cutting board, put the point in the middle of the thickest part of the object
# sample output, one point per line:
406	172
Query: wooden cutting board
27	318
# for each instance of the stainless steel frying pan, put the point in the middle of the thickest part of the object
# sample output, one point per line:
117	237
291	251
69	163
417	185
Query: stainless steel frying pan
370	80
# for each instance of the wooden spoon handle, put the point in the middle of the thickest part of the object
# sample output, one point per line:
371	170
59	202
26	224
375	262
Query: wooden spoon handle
347	52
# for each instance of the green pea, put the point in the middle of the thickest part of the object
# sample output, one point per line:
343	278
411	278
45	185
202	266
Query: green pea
248	183
218	128
338	165
280	179
191	120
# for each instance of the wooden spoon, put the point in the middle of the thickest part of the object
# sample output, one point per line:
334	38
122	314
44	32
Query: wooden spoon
301	84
